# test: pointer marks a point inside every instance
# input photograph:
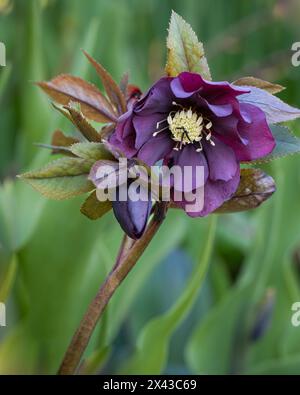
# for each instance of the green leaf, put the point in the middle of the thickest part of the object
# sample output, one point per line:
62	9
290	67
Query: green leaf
286	144
61	179
8	279
60	168
153	343
74	261
91	151
93	363
93	208
280	366
209	350
185	52
5	75
173	231
20	210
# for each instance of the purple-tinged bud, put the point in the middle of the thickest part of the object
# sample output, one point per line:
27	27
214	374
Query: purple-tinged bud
132	216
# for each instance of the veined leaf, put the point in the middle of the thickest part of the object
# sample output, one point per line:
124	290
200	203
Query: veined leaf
60	143
255	187
91	151
61	179
275	109
65	88
60	168
62	140
185	52
60	188
93	208
286	144
111	87
83	125
265	85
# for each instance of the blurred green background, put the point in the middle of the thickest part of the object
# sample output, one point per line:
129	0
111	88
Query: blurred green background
53	259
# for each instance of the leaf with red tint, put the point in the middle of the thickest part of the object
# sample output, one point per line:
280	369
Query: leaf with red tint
111	87
265	85
59	139
255	187
85	128
66	88
133	92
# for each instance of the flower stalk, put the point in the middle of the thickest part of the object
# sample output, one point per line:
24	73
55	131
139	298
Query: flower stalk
96	308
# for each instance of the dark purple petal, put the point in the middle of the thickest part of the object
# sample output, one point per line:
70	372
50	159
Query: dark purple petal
124	125
231	105
275	109
188	156
228	129
222	162
215	194
156	148
186	84
158	99
254	140
145	126
219	110
126	146
183	90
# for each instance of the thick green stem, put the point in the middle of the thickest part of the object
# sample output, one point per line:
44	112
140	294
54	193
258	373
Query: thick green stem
96	308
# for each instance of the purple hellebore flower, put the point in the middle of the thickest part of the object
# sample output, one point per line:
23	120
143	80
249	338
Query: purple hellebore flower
188	121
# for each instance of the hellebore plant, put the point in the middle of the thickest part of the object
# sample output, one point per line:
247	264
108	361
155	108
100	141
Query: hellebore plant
184	119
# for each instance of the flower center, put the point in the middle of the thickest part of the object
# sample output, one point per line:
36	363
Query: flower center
187	127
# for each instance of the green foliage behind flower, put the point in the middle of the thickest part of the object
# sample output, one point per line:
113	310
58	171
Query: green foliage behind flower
52	259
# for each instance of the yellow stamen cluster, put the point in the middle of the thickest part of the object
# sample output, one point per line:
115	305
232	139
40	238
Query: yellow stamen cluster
187	127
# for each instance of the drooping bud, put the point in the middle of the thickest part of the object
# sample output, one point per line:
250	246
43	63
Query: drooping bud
132	215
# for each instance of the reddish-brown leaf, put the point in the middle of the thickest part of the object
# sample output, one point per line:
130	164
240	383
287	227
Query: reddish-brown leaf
106	131
59	139
258	83
83	125
124	84
255	187
66	88
111	87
